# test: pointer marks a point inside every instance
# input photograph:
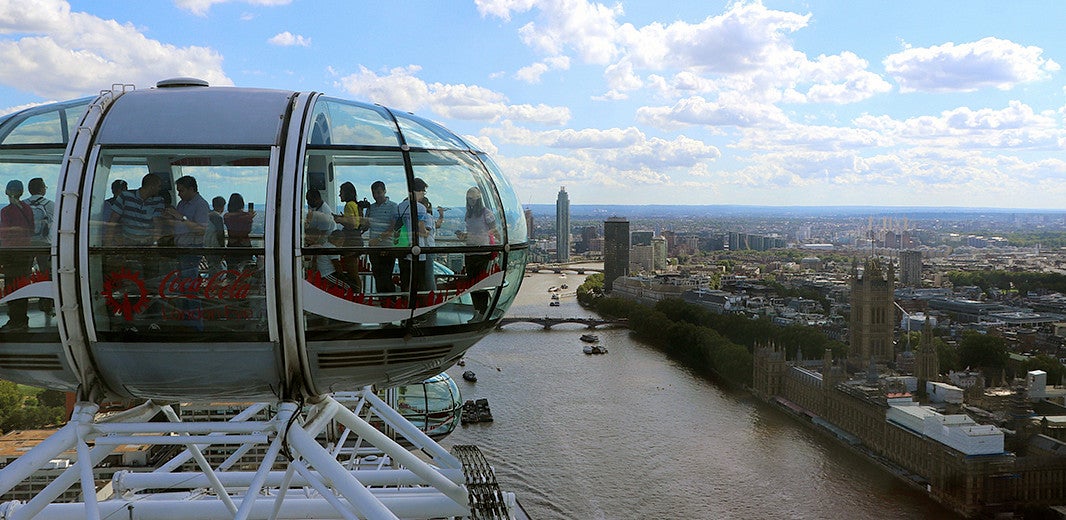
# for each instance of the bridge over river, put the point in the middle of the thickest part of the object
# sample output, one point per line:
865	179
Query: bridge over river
548	322
564	268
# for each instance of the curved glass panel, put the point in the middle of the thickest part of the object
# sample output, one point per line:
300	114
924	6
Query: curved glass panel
348	241
443	405
421	133
27	215
49	124
461	213
359	269
516	220
516	268
176	244
339	122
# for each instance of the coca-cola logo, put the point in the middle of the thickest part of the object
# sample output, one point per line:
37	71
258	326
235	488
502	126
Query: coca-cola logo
223	285
125	294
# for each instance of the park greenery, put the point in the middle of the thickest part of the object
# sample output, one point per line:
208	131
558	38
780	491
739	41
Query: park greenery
24	407
1021	282
1045	239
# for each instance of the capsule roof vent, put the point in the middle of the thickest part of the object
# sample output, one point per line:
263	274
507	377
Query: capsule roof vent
181	82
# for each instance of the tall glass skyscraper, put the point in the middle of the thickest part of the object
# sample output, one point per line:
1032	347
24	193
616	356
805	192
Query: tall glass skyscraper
615	250
562	226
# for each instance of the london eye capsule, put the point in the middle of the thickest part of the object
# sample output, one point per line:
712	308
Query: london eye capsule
433	406
195	242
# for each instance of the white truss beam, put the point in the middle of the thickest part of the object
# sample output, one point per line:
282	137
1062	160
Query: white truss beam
314	483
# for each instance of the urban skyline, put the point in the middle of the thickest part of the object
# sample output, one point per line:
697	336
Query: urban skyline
773	103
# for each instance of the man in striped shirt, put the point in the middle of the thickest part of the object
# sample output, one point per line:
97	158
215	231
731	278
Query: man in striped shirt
134	222
135	212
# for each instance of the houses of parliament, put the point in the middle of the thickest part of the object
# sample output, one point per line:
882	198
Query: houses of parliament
981	452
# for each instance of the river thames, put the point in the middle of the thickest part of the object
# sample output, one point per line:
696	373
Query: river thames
634	435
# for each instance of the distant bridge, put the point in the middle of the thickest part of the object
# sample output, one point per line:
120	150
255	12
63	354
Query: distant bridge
560	268
549	322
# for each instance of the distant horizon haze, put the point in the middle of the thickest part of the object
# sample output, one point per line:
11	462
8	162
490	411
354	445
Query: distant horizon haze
540	210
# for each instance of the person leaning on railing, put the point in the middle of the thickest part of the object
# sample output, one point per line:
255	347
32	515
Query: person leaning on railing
480	231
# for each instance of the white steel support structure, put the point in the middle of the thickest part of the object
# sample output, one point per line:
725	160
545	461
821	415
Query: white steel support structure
299	476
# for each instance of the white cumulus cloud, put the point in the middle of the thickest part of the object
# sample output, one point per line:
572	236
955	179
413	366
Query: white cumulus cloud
42	17
503	8
532	73
63	54
401	88
728	110
747	49
201	7
288	39
1016	126
989	62
624	151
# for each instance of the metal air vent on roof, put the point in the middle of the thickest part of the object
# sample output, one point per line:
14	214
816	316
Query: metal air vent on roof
181	82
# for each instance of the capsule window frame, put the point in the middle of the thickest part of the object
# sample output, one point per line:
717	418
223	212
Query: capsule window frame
256	164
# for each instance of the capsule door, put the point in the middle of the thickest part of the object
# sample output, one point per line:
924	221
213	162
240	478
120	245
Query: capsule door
175	282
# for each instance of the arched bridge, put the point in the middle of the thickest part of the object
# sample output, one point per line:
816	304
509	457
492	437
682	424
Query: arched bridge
549	322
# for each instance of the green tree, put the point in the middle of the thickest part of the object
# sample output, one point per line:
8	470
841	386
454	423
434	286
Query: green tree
32	408
591	289
734	363
52	398
11	400
31	417
947	356
808	341
1055	370
989	353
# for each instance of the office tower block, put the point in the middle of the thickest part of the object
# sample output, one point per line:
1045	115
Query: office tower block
640	238
641	259
529	223
588	235
562	226
615	250
658	248
910	268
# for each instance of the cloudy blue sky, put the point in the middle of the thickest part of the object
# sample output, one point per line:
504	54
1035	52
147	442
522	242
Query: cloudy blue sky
822	102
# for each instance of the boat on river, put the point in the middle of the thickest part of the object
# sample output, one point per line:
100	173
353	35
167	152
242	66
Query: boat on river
483	412
590	338
476	411
469	375
594	349
469	413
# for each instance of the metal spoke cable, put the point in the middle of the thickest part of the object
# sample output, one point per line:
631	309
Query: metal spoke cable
486	499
